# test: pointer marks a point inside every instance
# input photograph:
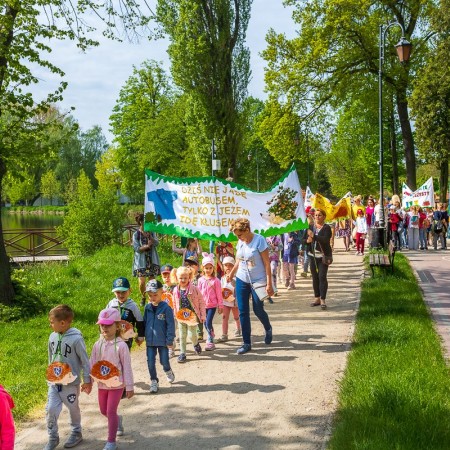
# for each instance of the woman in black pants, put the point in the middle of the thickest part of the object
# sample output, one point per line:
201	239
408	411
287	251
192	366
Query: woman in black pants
317	238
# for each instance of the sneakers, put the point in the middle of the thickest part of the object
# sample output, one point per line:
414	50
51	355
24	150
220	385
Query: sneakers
291	288
244	349
170	376
73	440
304	274
210	346
197	349
270	300
181	358
52	444
200	337
237	333
120	429
268	338
110	446
154	386
171	353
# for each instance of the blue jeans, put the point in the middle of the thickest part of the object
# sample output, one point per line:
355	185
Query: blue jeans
243	292
151	360
210	312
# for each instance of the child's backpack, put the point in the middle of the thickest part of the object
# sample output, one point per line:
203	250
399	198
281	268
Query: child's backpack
437	226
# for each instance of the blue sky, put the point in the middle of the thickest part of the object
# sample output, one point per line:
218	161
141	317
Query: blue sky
96	77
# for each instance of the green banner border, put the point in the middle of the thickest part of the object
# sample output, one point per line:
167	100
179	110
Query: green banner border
171	229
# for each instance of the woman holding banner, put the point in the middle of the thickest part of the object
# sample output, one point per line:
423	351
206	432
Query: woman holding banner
253	278
317	239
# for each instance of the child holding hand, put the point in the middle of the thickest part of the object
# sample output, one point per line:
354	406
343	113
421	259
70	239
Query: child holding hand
229	300
211	290
189	309
159	333
111	368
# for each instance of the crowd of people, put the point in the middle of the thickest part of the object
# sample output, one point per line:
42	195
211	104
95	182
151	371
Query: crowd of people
182	307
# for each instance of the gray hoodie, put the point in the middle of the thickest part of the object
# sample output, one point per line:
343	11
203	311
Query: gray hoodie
70	348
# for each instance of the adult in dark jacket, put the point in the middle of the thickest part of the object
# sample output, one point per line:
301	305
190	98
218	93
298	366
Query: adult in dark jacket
318	241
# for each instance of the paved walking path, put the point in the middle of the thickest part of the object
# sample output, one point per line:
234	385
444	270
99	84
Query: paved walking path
433	273
281	396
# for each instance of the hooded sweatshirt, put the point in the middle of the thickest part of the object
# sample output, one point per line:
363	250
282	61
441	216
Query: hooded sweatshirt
7	429
130	312
69	347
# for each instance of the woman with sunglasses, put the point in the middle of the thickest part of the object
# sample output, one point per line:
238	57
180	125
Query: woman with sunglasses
253	278
317	239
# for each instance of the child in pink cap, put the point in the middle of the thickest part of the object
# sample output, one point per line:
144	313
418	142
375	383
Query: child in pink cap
111	368
211	290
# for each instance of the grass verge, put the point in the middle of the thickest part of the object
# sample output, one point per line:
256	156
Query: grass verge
84	284
395	393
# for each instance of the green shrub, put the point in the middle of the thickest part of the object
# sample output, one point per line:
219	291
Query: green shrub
94	219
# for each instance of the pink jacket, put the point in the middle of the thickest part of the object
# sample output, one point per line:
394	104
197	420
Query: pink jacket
117	353
7	430
211	290
196	298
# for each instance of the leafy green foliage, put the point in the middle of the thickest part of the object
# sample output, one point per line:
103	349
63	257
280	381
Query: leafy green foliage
50	186
94	219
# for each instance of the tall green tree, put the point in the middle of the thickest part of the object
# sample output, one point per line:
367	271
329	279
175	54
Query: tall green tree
50	186
431	102
27	29
210	62
337	48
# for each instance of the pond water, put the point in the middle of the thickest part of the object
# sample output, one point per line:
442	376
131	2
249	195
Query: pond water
24	245
21	221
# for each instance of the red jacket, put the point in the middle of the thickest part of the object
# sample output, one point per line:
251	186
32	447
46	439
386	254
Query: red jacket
394	220
7	429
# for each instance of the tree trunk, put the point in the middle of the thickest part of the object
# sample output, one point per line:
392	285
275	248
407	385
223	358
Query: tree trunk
443	180
393	147
6	288
408	140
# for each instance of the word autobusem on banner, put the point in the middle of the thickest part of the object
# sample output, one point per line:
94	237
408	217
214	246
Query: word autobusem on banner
204	207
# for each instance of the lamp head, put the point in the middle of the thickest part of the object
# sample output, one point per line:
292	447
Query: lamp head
403	50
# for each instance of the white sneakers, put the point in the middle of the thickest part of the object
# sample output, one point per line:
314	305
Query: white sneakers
154	386
170	376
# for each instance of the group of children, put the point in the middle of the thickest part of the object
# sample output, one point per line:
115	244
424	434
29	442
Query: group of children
184	297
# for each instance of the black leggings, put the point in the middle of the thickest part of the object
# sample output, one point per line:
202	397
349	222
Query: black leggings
319	272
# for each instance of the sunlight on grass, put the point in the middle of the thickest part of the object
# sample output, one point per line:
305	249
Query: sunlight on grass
395	392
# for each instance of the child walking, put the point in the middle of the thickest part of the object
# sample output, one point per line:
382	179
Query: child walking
361	231
68	364
229	300
189	309
111	368
159	333
192	249
128	309
211	290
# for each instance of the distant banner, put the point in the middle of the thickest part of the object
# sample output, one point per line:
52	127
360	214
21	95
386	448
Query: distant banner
308	197
424	196
204	207
341	210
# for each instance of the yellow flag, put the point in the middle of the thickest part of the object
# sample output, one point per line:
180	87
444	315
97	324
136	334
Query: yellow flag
340	210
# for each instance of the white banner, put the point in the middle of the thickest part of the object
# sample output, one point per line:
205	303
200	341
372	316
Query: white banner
204	207
424	196
308	196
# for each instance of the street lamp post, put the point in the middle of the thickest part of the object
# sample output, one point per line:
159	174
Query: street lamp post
403	51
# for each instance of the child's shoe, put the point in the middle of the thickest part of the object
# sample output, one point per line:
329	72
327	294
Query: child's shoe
210	346
52	443
237	333
154	386
304	274
171	353
200	337
224	338
120	429
197	349
110	446
182	358
170	376
73	440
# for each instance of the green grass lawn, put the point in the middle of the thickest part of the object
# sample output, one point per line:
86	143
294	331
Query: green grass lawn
85	284
395	393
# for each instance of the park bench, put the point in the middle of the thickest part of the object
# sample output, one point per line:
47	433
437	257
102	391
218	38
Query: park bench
382	259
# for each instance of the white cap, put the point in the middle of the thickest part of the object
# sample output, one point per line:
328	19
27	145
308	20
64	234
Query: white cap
228	260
